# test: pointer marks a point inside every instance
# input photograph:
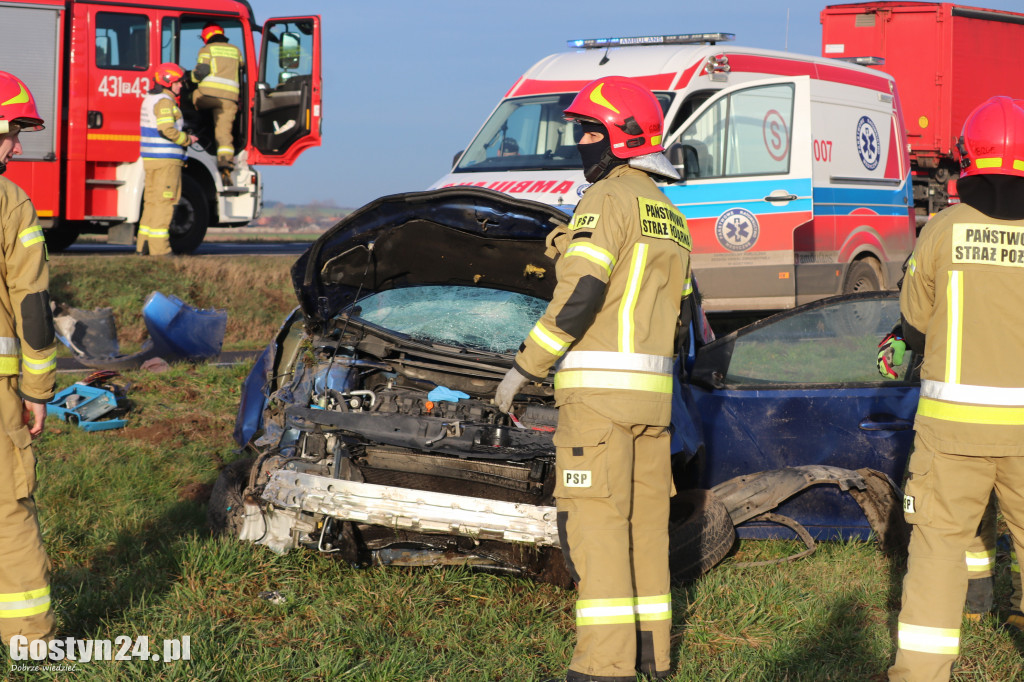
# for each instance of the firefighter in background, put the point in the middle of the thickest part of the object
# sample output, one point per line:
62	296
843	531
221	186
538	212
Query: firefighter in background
25	322
622	274
163	145
964	288
216	72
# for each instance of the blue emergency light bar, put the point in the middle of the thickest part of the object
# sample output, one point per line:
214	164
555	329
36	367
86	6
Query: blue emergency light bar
679	39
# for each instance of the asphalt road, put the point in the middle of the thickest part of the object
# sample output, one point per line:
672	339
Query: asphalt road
218	248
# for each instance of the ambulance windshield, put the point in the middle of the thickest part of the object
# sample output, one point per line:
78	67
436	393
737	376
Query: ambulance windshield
528	133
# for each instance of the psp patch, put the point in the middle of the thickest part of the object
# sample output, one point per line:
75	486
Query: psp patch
576	479
867	143
737	229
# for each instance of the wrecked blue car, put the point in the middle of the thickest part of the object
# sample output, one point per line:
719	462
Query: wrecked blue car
370	431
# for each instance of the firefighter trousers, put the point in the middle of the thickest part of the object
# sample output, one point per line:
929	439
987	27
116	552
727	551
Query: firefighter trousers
224	111
945	500
162	192
25	607
615	481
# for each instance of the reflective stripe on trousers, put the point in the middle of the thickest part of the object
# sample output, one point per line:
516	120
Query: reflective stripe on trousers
21	604
943	641
623	610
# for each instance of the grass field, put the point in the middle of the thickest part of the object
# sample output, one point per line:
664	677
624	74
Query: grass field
123	515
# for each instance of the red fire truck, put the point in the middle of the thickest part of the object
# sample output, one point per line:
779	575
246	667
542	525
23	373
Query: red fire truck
89	63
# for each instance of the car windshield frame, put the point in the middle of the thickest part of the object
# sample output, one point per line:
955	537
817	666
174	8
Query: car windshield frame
529	133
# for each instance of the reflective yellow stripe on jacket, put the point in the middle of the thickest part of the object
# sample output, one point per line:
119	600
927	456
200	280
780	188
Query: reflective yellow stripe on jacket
612	370
951	400
9	354
945	641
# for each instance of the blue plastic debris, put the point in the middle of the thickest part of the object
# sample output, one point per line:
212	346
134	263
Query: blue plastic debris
443	393
82	406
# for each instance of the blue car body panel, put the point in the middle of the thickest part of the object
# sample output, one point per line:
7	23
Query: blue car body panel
760	429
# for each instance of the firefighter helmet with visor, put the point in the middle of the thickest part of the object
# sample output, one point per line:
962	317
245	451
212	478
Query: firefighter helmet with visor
628	111
992	141
17	106
167	74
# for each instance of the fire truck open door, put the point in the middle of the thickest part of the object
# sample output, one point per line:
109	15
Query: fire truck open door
286	110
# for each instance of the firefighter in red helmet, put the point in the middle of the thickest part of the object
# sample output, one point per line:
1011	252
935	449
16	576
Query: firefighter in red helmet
217	74
28	365
163	148
964	287
622	275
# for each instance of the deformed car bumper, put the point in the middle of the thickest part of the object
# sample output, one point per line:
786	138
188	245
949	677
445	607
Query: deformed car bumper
399	508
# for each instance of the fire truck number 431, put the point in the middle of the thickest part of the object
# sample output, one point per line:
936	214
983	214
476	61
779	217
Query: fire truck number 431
116	86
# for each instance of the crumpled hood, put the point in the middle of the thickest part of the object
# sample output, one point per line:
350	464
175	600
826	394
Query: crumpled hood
466	236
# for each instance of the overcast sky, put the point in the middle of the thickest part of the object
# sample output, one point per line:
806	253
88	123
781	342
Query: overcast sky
407	83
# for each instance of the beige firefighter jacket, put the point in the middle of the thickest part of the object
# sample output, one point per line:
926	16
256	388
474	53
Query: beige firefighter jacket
225	60
623	270
964	289
26	323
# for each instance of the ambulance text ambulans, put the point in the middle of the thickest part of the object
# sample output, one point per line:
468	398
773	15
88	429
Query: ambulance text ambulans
89	64
795	169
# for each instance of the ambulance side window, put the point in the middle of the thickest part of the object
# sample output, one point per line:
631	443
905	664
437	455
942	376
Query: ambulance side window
746	133
122	41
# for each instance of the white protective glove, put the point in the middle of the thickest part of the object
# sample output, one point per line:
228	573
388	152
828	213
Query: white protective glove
507	389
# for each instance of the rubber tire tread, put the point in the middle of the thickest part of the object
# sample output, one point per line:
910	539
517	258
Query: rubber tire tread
700	534
225	509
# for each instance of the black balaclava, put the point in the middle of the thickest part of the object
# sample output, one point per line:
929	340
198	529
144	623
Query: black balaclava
997	196
597	157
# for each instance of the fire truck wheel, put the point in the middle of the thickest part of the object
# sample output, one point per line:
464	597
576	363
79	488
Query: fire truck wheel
191	217
60	237
861	277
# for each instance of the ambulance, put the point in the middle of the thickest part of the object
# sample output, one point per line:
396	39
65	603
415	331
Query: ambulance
795	171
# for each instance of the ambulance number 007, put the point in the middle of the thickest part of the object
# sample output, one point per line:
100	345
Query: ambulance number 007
823	150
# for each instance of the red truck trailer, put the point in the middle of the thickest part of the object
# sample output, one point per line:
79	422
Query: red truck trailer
946	59
89	64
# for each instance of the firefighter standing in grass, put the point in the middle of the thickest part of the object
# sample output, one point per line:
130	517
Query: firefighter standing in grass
27	347
611	326
216	72
162	146
962	304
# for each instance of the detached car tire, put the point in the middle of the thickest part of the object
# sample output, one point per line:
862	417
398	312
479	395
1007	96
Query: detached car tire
700	534
226	507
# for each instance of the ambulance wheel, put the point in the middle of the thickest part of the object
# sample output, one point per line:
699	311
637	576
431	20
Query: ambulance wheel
226	507
700	534
861	277
60	237
191	217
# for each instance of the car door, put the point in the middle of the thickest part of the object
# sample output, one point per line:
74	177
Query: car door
802	388
747	187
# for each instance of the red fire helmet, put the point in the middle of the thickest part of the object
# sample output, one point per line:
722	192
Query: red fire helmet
629	112
17	106
992	141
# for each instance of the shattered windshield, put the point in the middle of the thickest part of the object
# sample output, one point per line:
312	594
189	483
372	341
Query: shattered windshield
528	133
481	319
